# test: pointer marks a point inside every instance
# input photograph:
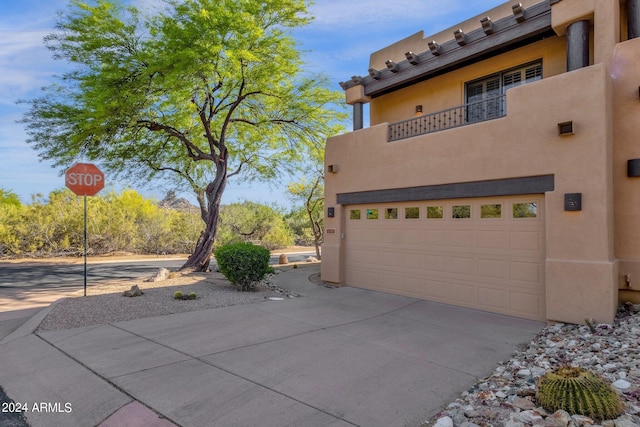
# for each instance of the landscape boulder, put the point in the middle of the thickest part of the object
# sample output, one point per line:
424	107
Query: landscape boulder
134	292
162	274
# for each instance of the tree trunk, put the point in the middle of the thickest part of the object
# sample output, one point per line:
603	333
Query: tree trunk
201	256
317	232
317	245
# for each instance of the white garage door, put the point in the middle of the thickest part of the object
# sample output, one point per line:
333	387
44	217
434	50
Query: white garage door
483	253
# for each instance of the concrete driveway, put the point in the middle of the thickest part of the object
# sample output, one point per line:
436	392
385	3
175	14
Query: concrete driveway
333	357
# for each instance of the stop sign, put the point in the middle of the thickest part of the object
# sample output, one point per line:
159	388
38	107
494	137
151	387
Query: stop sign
84	179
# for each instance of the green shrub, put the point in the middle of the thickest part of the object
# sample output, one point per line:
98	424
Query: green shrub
177	295
192	295
243	264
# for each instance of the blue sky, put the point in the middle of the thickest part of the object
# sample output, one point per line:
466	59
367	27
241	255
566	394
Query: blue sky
340	40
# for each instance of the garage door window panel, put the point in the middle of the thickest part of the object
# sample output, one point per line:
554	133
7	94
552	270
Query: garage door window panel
354	214
461	212
412	213
492	211
525	210
435	212
372	213
391	213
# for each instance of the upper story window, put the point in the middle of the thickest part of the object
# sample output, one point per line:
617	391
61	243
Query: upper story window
484	96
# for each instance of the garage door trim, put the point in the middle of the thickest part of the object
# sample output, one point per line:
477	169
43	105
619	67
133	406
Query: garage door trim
490	188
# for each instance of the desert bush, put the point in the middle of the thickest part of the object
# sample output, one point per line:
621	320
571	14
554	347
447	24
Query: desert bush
243	264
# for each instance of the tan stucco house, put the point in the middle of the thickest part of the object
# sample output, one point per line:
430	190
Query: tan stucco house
501	167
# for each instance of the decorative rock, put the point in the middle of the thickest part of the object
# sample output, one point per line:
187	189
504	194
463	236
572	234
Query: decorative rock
560	418
627	421
513	422
134	292
282	259
162	274
531	417
312	259
581	420
523	403
524	373
622	384
486	395
444	422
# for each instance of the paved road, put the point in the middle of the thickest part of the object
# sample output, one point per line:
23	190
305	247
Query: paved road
33	284
64	275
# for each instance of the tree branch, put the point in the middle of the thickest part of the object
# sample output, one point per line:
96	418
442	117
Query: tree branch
193	150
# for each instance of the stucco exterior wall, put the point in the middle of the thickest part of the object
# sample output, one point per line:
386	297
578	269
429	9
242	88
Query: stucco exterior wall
592	256
625	72
524	143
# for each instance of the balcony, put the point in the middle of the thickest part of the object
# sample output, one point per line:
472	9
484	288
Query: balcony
474	112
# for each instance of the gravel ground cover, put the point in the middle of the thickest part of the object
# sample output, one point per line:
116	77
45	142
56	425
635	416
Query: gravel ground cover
507	397
105	303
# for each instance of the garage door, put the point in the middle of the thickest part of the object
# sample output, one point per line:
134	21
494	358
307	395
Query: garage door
482	253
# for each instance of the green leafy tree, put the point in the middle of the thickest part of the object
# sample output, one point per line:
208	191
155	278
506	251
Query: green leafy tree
253	222
201	91
310	193
9	198
11	221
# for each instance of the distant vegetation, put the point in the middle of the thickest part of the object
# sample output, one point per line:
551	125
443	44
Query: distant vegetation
128	222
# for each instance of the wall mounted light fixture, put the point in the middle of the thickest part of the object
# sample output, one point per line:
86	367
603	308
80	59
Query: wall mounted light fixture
565	128
572	201
633	168
332	168
418	110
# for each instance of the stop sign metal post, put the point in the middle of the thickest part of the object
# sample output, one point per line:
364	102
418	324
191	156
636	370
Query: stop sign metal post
84	179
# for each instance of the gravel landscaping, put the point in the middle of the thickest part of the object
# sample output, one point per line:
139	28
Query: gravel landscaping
507	397
105	303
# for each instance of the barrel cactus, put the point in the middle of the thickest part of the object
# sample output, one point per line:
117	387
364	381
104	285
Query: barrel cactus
578	391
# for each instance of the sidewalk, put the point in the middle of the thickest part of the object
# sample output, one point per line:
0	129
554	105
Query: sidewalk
333	357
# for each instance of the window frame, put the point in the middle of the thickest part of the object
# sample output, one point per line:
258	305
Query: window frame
490	103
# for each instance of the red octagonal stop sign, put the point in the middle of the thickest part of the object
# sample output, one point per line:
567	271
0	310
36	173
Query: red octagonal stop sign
84	179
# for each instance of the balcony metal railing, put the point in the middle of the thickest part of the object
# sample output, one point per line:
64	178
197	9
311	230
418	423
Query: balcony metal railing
487	109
